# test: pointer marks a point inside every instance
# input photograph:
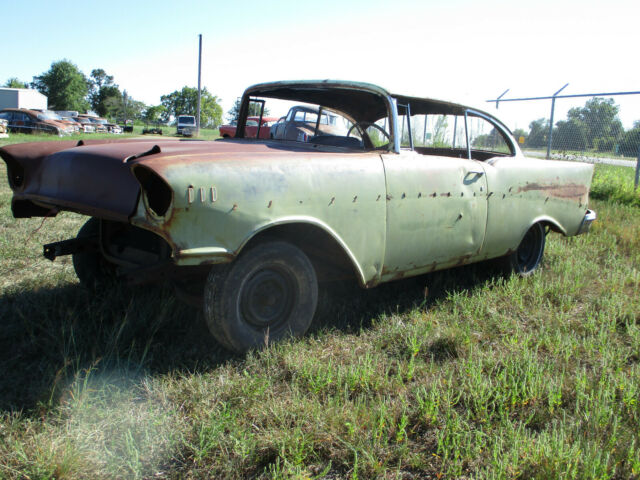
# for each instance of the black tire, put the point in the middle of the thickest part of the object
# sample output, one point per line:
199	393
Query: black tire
269	293
527	257
92	269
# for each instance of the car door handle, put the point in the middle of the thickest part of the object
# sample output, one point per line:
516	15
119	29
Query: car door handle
472	175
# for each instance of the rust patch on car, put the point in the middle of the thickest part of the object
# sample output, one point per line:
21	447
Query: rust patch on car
567	190
462	260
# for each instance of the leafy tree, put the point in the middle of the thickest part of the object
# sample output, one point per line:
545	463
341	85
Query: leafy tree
538	132
13	82
520	132
103	106
102	89
99	78
600	116
153	114
65	86
185	102
630	142
570	135
124	107
254	111
440	132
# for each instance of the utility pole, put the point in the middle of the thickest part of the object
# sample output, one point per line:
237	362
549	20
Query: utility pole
199	89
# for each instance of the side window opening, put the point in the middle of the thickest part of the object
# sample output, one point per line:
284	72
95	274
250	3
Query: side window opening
486	139
446	135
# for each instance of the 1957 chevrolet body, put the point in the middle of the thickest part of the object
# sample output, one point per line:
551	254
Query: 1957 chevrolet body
251	226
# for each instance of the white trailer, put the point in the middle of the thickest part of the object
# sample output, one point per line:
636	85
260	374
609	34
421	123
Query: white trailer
22	98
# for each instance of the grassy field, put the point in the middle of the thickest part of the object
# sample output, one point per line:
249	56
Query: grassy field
168	132
460	374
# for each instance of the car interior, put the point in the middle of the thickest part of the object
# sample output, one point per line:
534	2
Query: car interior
360	120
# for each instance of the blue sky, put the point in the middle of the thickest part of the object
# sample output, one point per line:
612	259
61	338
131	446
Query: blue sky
462	50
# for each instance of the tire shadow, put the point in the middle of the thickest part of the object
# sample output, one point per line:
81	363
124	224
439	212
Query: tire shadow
52	335
346	307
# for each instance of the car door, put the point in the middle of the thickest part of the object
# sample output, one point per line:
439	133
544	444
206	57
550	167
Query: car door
436	210
18	123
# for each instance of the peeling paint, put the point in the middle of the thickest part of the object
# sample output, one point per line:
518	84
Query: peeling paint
567	190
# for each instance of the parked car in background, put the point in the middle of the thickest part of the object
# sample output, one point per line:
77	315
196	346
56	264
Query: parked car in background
251	129
127	126
398	186
97	123
51	115
111	127
67	113
22	120
67	116
300	124
152	129
86	125
186	125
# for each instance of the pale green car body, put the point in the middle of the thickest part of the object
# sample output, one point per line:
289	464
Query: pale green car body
393	213
248	228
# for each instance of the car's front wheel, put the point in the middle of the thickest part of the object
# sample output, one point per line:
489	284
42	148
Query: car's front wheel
269	293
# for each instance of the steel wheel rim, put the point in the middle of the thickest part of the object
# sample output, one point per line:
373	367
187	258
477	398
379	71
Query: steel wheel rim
267	298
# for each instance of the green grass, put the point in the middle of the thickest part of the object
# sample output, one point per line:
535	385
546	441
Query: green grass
616	184
460	374
168	132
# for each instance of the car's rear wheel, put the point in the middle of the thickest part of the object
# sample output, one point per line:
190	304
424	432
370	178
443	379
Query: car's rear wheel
269	293
527	257
92	269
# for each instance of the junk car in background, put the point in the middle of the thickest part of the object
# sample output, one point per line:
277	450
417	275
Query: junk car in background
4	128
398	186
251	128
302	122
22	120
185	125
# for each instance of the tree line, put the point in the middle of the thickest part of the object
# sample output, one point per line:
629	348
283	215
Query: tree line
68	88
594	127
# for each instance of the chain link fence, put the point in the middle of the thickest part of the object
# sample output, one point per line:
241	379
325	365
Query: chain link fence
589	126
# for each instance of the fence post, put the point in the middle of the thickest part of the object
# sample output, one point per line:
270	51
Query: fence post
635	185
550	136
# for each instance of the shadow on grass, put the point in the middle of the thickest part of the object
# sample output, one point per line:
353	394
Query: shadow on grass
51	335
348	308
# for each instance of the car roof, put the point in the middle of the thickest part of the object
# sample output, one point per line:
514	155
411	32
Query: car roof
264	119
363	101
22	110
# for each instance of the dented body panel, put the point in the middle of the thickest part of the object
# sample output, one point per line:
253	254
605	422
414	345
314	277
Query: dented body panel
392	212
263	184
523	192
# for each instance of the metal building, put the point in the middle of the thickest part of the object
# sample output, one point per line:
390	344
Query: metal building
22	98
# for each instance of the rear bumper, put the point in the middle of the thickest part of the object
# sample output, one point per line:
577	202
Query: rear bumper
588	219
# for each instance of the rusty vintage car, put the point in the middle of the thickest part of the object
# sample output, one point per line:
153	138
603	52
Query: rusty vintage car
251	128
302	122
23	120
250	227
